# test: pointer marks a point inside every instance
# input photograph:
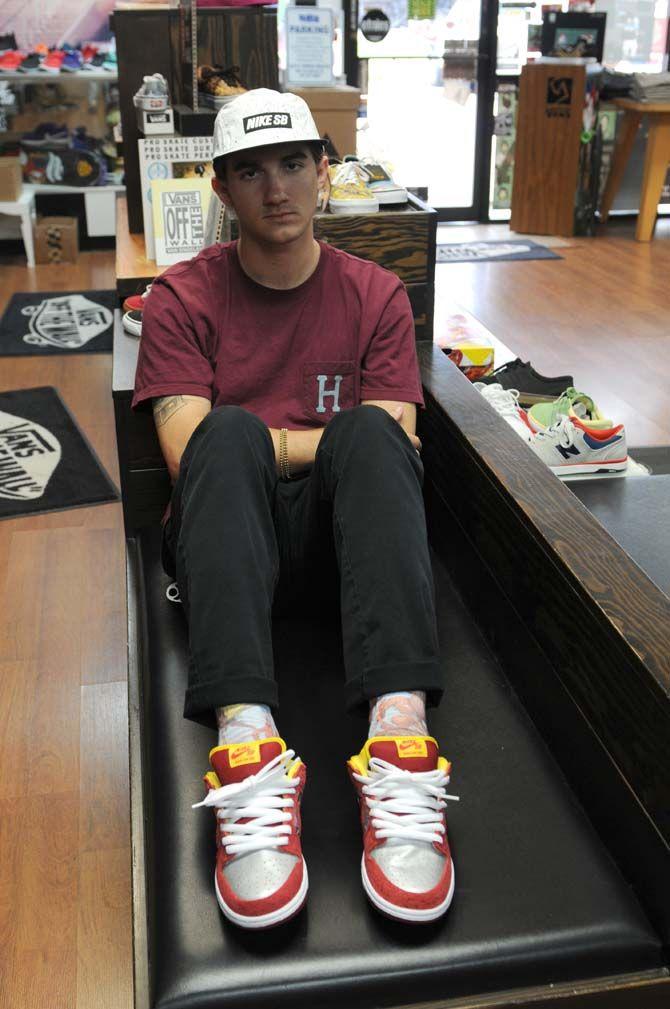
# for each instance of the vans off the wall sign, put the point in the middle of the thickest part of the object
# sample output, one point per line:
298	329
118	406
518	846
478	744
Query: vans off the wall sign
58	322
46	463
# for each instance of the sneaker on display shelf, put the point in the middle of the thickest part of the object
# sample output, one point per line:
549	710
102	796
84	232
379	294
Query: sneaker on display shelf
406	867
381	183
135	302
569	448
72	61
46	135
31	63
571	404
153	94
533	387
255	789
506	403
132	321
349	190
11	60
52	62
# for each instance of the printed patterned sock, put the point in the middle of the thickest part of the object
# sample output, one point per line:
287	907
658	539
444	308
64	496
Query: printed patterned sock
241	723
399	714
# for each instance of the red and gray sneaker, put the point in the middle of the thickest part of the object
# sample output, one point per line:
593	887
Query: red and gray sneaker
135	302
406	868
255	789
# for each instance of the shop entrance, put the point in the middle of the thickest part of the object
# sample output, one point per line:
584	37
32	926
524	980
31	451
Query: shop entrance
429	98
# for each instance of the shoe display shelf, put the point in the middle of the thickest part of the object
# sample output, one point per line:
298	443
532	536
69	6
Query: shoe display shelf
149	41
94	206
557	719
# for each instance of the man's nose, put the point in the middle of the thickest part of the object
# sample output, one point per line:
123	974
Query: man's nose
275	190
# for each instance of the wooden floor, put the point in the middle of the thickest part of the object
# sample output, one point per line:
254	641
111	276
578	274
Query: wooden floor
65	913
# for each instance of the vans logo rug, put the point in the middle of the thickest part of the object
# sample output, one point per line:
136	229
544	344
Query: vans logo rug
267	121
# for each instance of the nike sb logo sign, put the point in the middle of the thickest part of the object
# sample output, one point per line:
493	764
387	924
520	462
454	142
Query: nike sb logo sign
412	748
248	753
267	121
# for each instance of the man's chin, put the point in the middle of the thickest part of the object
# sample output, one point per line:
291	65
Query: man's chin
283	228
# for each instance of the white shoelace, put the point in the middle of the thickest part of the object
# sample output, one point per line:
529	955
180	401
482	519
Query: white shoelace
562	430
350	172
504	401
261	799
405	805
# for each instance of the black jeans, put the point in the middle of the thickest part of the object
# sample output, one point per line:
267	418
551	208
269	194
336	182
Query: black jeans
241	543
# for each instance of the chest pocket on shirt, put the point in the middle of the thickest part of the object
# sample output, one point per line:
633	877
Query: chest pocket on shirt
328	388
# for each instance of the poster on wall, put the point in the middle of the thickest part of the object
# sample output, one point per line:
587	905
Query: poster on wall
180	213
309	47
163	158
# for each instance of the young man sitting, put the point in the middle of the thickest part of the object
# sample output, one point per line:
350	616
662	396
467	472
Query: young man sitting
284	384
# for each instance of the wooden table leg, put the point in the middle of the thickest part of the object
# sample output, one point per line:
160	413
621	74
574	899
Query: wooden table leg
656	163
629	128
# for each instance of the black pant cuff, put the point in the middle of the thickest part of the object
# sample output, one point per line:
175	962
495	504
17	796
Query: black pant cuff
203	698
428	676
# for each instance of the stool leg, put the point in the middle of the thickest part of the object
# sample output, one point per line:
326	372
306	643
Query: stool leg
27	235
656	161
629	128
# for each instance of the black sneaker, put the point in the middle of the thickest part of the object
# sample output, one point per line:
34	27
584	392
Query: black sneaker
532	387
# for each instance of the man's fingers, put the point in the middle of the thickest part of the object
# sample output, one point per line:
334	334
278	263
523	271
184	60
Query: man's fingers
415	442
397	413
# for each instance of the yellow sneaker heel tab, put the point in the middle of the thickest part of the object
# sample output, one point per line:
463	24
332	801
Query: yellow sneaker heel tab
212	779
248	742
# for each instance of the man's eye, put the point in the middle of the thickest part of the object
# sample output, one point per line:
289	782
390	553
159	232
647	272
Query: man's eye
250	173
294	165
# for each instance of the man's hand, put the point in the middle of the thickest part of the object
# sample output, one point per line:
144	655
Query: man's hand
301	445
404	413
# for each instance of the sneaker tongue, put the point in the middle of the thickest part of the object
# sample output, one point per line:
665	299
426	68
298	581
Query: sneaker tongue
411	753
236	761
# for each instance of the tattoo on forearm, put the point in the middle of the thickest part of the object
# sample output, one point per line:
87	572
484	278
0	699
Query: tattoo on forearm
166	407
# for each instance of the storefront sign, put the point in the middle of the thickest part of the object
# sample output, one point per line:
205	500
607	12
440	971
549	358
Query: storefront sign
375	25
309	46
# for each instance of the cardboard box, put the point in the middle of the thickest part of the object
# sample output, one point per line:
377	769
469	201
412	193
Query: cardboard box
155	122
56	240
11	181
335	111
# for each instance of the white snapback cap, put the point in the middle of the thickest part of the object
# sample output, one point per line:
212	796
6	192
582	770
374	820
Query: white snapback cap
261	117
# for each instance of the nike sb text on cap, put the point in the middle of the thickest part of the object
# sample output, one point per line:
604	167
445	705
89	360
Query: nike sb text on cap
261	117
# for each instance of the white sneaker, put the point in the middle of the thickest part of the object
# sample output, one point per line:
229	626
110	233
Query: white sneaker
568	448
153	94
506	403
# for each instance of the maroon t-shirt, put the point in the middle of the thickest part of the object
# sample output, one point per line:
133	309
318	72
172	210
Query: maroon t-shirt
293	358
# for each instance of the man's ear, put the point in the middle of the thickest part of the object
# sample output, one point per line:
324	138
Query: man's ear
322	172
221	191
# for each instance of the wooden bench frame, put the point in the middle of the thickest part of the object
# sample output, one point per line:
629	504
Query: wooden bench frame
517	537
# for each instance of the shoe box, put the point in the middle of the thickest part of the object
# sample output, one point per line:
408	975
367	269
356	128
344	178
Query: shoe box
154	122
11	180
56	240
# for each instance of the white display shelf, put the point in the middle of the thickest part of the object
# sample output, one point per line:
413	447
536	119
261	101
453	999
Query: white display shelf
48	188
45	78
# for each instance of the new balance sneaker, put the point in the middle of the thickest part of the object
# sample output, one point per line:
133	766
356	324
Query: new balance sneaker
570	448
255	789
406	867
506	403
571	404
349	190
132	322
532	387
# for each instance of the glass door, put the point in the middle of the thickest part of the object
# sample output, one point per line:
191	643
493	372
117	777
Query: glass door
427	97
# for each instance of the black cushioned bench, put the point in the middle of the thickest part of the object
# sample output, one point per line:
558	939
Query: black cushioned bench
555	719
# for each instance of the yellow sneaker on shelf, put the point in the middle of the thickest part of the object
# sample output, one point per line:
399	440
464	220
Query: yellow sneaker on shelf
349	191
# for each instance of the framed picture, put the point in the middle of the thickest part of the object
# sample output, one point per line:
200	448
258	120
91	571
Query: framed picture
574	35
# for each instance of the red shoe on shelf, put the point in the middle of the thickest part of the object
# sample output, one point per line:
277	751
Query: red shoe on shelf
11	60
52	63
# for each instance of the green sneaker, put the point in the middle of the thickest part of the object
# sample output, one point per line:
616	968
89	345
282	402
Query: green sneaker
572	404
